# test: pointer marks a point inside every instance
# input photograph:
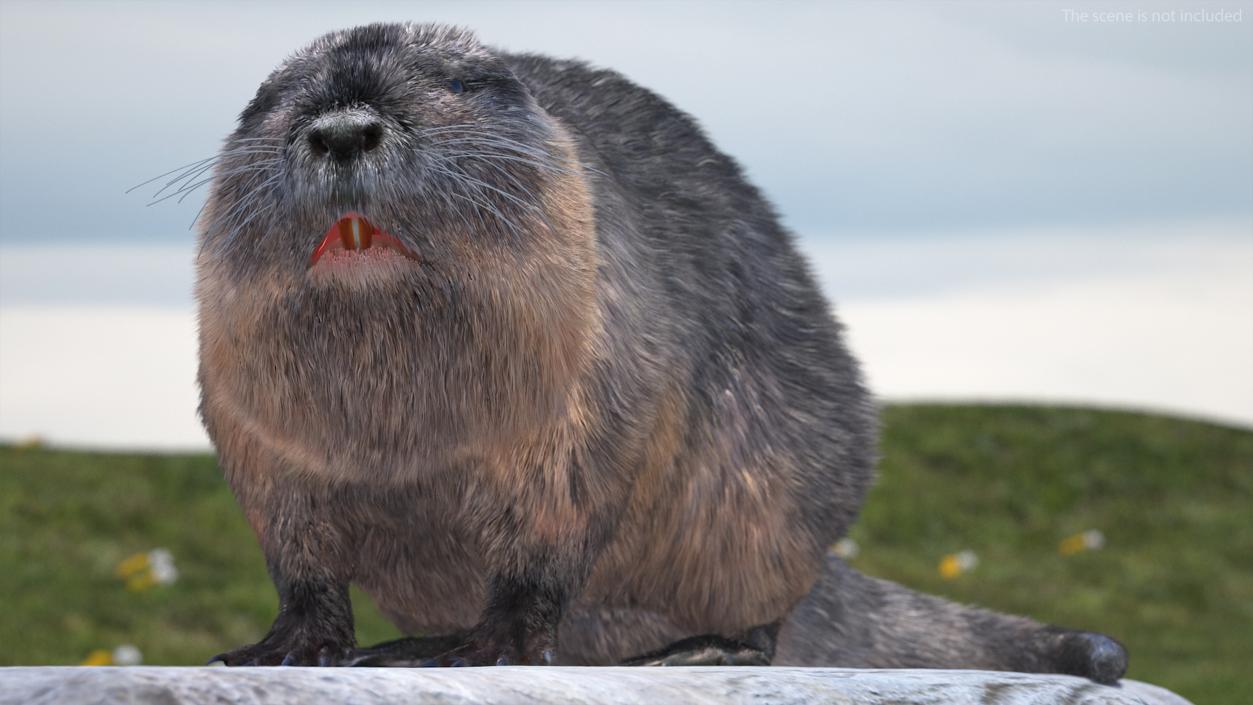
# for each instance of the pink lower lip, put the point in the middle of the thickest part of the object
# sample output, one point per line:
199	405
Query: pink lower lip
354	233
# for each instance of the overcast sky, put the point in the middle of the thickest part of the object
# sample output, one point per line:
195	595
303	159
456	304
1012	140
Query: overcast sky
1005	201
853	117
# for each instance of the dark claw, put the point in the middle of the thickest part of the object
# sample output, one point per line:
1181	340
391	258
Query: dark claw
408	652
219	659
289	650
456	662
502	661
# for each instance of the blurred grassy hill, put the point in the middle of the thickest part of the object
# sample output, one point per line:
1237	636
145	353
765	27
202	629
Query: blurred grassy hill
1173	499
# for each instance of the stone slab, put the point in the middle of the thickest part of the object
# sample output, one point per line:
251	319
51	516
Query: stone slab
153	685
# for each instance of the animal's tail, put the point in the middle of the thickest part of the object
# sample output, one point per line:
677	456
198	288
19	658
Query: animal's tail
852	620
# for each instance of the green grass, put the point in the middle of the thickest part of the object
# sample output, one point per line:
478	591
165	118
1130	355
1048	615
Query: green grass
1173	498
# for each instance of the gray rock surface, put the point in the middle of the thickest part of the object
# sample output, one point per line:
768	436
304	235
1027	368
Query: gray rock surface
509	685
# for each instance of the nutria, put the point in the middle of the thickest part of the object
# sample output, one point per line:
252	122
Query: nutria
506	342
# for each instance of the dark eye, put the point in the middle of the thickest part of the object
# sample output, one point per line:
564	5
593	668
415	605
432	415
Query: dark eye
456	86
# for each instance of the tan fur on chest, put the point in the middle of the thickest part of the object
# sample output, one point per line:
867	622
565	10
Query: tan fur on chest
479	360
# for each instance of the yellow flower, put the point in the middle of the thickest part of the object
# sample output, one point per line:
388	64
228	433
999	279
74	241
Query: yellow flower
124	655
1089	540
144	570
132	565
99	657
954	564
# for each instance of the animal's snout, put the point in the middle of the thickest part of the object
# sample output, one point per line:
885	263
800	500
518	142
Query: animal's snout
345	135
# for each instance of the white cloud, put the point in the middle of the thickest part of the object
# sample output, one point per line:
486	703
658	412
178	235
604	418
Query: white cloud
911	264
1135	317
101	377
126	275
1181	343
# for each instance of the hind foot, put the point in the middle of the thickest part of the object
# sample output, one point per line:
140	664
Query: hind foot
1088	654
405	653
753	648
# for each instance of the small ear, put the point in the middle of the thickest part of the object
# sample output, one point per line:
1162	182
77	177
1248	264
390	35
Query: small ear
263	102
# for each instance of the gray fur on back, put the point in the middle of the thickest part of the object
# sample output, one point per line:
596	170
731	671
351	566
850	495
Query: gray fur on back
609	389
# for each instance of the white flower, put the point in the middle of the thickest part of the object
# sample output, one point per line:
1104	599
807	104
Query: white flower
846	548
161	564
967	560
1093	539
127	655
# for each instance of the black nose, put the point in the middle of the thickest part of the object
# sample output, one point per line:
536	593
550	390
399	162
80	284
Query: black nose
345	135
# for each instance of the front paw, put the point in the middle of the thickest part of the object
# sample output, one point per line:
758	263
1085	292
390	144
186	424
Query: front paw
290	646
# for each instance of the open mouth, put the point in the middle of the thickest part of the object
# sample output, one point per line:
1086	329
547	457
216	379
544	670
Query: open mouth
352	238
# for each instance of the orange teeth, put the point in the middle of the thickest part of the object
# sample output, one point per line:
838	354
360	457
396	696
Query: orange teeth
356	232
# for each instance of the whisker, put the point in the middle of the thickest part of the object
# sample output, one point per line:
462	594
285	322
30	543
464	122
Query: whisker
252	195
471	133
199	163
509	176
199	212
231	224
190	174
187	189
255	191
186	176
250	188
439	129
494	141
483	206
507	158
171	171
484	184
255	213
486	205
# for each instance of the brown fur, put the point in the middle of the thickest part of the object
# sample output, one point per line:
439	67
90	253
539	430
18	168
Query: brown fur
606	402
526	363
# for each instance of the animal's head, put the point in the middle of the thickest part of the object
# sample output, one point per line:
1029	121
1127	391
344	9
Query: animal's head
394	155
398	236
